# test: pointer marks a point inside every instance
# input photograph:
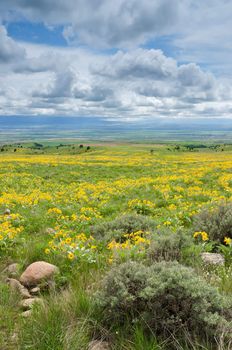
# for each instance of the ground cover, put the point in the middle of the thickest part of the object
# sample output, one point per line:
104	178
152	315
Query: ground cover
87	211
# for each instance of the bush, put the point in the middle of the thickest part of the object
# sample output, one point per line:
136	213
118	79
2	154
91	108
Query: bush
168	246
217	223
122	225
165	298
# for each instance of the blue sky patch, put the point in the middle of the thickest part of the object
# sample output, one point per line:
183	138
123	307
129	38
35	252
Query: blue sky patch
36	33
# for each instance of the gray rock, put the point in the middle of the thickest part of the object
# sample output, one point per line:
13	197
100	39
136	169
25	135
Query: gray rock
28	304
35	291
98	345
7	212
26	313
50	231
12	270
213	258
16	286
39	271
14	337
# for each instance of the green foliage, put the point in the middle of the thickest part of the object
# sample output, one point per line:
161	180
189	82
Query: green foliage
166	298
62	323
217	222
9	314
122	225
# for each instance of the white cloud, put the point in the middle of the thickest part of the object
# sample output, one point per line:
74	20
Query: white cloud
10	51
102	22
132	82
136	83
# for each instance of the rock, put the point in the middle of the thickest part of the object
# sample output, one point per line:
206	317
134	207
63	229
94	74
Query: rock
50	231
98	345
37	272
28	304
7	212
26	313
12	270
18	287
35	291
14	337
213	258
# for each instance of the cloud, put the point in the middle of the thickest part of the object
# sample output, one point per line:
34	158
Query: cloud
102	22
198	31
10	51
134	84
45	62
151	73
192	75
122	23
138	63
131	80
60	86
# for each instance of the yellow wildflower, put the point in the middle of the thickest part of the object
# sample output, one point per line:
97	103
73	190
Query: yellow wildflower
71	256
228	240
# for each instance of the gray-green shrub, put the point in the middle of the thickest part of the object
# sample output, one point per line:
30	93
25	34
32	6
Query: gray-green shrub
124	224
217	222
167	245
166	298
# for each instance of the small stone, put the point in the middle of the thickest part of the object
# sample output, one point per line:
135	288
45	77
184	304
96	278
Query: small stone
98	345
28	304
39	271
35	291
213	258
18	287
26	313
50	231
14	337
7	212
12	270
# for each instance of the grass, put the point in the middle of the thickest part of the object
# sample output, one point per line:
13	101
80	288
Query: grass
84	189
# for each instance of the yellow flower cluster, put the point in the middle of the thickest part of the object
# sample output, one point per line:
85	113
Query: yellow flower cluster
141	206
56	211
202	234
172	188
10	227
134	243
73	246
88	213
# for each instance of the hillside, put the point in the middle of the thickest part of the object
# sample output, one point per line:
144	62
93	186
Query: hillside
142	238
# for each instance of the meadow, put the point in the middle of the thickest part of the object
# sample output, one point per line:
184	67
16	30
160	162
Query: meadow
90	212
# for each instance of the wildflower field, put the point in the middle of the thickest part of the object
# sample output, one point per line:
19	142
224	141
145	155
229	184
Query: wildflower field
71	209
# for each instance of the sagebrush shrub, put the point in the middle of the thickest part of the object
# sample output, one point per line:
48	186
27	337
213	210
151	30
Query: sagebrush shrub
217	222
166	298
167	246
124	224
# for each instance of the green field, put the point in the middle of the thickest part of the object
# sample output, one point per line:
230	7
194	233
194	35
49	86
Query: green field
126	223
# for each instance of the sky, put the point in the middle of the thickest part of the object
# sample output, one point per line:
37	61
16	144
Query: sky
124	59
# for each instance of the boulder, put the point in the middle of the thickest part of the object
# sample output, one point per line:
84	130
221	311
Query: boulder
28	304
16	286
39	271
12	270
213	258
26	313
98	345
35	291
